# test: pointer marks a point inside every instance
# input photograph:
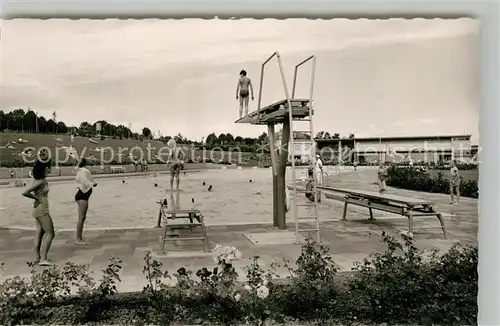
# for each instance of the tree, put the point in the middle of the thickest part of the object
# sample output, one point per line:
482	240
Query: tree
15	120
323	135
61	127
221	139
3	121
85	129
42	125
351	136
29	121
179	139
229	138
146	132
51	126
211	139
262	138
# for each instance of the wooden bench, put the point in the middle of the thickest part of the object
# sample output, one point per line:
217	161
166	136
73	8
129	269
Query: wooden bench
117	169
175	219
404	206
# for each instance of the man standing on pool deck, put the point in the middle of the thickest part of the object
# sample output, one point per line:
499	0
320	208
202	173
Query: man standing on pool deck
175	158
242	91
454	183
381	177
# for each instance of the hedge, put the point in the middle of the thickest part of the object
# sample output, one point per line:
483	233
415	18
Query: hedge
420	180
401	285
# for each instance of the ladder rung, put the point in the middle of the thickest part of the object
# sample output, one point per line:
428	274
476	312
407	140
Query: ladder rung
299	119
304	191
303	131
307	230
307	217
305	205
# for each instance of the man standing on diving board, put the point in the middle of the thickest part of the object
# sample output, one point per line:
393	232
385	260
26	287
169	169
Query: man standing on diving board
243	90
176	162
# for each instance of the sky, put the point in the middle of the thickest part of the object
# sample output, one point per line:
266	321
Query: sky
376	78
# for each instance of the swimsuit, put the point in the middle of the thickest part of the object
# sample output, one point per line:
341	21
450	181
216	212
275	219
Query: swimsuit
244	93
80	195
175	168
41	207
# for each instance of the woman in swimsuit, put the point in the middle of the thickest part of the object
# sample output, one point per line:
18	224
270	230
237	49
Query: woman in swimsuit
39	192
84	184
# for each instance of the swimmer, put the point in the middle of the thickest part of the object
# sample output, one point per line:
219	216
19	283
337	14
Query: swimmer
204	183
84	184
242	92
175	160
210	188
39	191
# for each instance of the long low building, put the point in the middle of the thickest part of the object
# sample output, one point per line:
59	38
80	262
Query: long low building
424	149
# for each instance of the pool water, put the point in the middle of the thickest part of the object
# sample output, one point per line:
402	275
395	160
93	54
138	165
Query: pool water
114	204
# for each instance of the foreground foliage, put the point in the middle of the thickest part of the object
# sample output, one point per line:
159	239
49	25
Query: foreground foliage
421	180
400	285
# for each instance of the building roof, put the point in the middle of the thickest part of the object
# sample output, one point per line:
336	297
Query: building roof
447	137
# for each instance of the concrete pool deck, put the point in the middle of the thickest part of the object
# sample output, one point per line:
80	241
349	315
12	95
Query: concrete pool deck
349	241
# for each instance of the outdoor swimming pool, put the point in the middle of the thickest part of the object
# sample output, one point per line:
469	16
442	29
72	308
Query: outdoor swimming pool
234	199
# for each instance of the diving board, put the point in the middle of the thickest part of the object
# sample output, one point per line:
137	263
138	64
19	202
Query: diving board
405	206
277	112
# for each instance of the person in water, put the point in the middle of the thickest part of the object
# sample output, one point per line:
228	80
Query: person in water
381	177
84	184
243	90
175	160
39	191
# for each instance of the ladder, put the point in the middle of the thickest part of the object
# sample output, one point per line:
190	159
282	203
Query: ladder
310	207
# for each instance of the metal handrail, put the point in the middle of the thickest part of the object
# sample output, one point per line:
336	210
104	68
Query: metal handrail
262	82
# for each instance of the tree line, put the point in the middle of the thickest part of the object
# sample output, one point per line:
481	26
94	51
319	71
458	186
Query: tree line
27	121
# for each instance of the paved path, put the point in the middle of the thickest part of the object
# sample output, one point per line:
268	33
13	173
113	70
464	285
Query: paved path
349	241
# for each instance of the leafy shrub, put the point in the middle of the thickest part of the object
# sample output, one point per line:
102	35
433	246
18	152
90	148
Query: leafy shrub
460	166
420	180
312	291
400	285
38	297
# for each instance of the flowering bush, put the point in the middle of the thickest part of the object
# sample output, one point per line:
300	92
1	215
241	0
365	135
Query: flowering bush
312	291
226	254
401	285
257	289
